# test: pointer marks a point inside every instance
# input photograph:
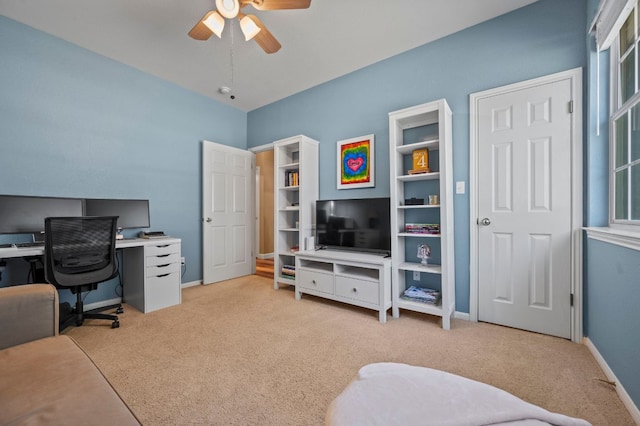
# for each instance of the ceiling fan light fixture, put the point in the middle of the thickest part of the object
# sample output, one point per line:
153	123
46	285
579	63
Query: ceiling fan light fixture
249	27
228	8
215	23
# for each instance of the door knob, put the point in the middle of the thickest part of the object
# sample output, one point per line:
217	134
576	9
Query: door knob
208	219
486	221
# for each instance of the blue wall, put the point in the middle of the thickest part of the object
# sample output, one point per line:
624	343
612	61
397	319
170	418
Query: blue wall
74	123
611	272
545	37
614	318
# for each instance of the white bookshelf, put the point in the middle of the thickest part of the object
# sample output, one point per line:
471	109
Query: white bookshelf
295	193
419	127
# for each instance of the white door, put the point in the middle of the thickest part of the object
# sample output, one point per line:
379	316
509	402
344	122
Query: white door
525	144
228	212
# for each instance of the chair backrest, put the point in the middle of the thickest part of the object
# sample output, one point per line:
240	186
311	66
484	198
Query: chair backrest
80	250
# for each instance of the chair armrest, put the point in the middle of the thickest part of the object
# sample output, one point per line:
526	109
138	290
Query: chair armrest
27	312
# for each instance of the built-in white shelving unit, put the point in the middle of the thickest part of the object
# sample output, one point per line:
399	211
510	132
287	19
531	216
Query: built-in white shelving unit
426	126
296	191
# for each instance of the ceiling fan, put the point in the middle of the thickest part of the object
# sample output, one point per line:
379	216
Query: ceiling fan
213	21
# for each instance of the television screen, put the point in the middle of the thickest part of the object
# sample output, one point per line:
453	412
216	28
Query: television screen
24	214
131	213
354	224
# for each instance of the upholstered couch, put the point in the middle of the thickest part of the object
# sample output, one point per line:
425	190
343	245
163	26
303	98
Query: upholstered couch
46	378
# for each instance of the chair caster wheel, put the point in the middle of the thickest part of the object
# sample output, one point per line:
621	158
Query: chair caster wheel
115	324
119	310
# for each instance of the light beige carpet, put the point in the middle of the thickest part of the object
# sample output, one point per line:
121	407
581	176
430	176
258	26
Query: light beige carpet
241	353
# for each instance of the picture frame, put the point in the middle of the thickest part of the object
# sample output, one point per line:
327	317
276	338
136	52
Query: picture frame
356	162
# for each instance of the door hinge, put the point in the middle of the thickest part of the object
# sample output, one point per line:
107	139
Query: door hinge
571	299
570	107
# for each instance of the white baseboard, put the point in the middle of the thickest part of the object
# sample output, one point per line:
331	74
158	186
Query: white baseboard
461	315
101	303
622	393
265	256
191	284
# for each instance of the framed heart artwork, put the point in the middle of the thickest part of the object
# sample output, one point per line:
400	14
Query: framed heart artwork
356	163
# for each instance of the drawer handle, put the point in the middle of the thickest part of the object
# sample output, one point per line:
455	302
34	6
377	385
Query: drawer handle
163	255
313	282
163	246
163	266
355	290
163	275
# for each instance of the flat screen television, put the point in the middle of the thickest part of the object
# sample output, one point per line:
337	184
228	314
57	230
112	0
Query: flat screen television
131	213
362	224
21	214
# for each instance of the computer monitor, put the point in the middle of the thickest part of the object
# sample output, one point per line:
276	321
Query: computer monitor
25	214
131	213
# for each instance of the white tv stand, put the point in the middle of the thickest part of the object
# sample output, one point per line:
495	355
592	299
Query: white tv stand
360	279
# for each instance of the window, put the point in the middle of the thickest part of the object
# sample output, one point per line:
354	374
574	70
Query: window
625	123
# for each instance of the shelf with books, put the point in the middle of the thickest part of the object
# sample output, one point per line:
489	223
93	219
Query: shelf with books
418	235
424	308
420	145
292	178
296	183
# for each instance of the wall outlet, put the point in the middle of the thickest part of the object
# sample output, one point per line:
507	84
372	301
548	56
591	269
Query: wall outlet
416	275
182	260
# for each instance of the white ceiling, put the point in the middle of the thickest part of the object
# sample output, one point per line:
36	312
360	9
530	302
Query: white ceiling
330	39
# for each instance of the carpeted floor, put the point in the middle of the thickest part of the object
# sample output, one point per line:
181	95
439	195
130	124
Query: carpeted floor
240	353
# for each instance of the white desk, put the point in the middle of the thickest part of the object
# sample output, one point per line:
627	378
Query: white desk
151	270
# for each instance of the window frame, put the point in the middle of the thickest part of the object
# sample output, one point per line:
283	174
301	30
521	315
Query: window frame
617	110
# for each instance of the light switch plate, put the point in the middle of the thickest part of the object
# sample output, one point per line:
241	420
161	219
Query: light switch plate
460	187
416	275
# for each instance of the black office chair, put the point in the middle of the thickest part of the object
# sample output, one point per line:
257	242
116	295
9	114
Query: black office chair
80	253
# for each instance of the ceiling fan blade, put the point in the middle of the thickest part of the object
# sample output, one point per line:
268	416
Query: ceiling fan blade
200	31
278	4
265	39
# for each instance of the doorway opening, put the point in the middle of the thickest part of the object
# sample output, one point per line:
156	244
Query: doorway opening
264	213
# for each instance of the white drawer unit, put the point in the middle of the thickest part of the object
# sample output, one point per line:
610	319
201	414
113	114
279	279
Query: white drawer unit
358	289
362	280
316	281
152	275
161	291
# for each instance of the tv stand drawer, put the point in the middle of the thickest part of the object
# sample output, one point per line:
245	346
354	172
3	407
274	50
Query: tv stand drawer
365	291
314	280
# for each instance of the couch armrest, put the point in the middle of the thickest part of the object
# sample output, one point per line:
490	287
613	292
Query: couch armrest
27	312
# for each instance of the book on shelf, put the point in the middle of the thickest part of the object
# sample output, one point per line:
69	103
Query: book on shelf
422	228
288	271
422	295
291	178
